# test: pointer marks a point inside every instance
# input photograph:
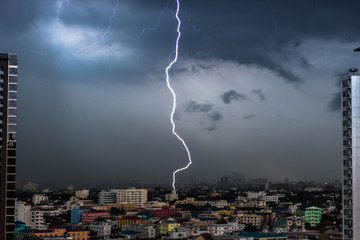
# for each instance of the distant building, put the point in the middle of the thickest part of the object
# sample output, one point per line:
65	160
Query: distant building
74	234
101	229
172	196
137	196
350	98
82	194
129	220
312	214
250	218
29	187
37	219
148	229
76	213
91	216
167	226
107	197
39	198
8	114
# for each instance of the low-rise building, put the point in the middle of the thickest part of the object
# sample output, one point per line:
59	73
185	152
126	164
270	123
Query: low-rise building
250	218
148	229
167	226
91	216
221	229
101	229
37	219
82	194
39	198
75	234
128	220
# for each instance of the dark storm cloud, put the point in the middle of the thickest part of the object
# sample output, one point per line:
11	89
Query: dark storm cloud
259	93
265	34
194	107
257	39
231	95
335	103
212	119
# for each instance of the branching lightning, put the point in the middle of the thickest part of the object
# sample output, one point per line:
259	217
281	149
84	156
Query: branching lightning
174	94
102	39
154	28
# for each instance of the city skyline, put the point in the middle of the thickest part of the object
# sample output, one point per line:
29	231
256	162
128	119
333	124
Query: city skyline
258	86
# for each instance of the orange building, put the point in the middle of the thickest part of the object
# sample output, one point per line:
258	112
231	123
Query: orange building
76	234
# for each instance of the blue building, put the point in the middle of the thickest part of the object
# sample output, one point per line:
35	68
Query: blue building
76	213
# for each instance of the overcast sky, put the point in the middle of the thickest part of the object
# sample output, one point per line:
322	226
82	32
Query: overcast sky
257	85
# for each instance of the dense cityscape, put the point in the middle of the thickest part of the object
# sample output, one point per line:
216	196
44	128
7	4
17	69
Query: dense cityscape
97	98
254	210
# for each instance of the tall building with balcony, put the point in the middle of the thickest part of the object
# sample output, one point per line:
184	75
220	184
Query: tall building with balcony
132	195
350	100
8	109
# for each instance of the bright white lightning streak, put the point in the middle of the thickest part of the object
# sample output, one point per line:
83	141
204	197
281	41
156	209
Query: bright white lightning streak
174	95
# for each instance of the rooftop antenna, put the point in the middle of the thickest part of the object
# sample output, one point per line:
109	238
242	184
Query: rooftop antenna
353	70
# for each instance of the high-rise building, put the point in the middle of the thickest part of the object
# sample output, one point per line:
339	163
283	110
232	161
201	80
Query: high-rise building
107	197
137	196
350	100
8	106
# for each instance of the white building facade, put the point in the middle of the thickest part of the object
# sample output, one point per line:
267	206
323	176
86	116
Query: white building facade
22	212
350	98
137	196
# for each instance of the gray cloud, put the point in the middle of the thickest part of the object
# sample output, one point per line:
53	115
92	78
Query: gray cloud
249	116
194	107
335	103
212	119
259	93
231	95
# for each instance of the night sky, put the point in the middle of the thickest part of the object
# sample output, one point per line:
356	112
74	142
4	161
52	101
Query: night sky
257	85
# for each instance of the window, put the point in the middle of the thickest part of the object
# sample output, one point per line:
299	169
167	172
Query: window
13	60
11	161
12	95
10	177
12	136
12	119
11	170
12	87
12	111
13	71
10	219
13	79
12	103
12	153
10	210
12	128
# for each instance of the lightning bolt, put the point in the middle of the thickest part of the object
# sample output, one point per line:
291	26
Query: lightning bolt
174	94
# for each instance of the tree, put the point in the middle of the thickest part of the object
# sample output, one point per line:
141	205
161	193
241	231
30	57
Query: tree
222	221
250	228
